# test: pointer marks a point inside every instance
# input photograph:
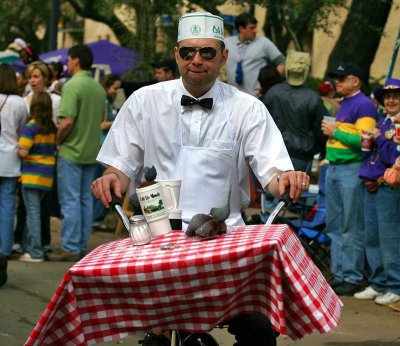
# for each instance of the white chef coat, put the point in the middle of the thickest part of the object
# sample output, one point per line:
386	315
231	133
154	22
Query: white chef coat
147	132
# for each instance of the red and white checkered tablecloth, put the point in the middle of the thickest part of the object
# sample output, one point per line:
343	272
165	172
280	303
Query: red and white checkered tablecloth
192	285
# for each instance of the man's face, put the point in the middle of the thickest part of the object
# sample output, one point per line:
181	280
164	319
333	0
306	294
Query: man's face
160	75
347	85
72	65
248	32
199	72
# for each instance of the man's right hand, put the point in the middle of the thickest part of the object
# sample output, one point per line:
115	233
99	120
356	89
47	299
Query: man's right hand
110	181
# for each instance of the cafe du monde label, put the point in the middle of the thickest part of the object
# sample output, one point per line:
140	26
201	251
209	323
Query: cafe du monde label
201	25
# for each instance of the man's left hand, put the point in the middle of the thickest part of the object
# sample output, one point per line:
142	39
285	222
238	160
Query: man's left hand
296	181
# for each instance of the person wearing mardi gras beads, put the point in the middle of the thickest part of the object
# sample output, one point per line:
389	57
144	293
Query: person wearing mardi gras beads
382	204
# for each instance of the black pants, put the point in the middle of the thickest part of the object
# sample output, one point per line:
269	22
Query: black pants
252	329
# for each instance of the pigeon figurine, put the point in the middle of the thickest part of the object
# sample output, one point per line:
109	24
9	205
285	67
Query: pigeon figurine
206	226
221	214
150	173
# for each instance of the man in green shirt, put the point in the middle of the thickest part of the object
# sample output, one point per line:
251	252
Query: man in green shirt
78	139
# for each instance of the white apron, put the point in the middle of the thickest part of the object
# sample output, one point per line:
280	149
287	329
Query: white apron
207	174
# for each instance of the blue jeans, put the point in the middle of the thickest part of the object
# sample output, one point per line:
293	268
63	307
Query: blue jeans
74	181
8	192
345	221
33	236
382	238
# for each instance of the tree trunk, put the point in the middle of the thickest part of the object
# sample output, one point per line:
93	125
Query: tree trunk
361	34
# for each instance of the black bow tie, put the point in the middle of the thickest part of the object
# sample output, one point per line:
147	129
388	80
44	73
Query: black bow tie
190	101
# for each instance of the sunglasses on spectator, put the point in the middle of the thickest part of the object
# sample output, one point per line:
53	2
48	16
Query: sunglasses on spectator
206	53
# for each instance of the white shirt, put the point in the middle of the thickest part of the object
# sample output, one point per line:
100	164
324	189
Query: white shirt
146	132
13	117
55	101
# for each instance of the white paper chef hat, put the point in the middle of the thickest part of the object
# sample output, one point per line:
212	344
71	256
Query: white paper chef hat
200	25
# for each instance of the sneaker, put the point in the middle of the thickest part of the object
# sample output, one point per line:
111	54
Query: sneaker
3	269
395	306
17	248
367	294
28	258
387	298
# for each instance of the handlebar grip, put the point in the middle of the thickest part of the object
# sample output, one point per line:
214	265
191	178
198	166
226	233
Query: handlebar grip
286	197
114	200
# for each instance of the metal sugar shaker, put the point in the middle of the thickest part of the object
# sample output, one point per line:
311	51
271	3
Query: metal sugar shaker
139	230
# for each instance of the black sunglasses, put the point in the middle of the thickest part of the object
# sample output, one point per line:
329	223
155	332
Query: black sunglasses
206	53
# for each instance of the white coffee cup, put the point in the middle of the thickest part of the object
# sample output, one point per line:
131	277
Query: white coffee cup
154	208
171	190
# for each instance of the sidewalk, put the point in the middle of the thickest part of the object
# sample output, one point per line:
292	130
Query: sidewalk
31	285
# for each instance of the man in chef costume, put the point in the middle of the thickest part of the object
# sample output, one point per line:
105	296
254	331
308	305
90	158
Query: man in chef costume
205	133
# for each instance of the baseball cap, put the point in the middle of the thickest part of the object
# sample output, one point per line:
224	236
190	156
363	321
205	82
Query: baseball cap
346	69
325	87
200	25
391	85
166	64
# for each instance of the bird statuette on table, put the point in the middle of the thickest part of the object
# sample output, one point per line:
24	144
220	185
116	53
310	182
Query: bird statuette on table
212	224
150	174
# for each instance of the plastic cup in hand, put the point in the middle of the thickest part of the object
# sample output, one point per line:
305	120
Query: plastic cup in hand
366	142
329	119
397	127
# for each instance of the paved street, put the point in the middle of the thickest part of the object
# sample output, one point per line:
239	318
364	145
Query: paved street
31	285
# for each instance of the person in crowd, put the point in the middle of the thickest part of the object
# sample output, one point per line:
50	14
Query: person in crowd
382	203
56	76
164	70
78	138
298	112
343	187
111	84
248	53
28	55
328	93
201	131
267	78
37	150
22	82
38	75
13	115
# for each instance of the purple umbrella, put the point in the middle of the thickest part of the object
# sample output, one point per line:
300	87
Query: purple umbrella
118	58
